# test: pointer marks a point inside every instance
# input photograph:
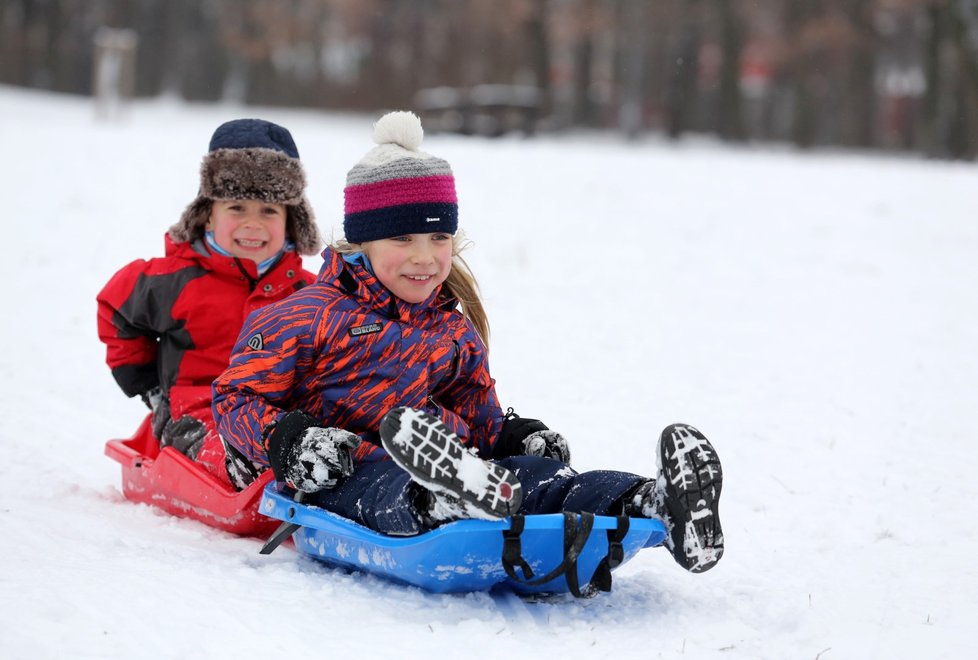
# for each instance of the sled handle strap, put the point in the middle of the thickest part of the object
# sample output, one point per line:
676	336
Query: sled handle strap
601	580
513	550
284	531
574	539
573	544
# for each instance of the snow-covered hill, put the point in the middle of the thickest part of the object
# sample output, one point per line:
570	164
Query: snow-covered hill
815	315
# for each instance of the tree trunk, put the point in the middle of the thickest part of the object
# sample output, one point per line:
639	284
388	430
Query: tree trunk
804	110
539	53
964	142
680	99
632	27
583	110
860	91
730	124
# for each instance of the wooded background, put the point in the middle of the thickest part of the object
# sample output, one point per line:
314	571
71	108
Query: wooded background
883	74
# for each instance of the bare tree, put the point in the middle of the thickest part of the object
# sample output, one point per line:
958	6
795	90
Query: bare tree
730	125
951	121
538	44
860	94
680	95
886	73
583	111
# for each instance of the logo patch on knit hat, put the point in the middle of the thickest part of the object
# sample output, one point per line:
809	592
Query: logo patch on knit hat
366	329
256	342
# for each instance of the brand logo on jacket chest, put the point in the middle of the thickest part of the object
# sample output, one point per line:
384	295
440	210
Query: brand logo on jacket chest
366	329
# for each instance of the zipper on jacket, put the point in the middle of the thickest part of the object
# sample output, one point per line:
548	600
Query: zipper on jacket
456	358
349	285
252	282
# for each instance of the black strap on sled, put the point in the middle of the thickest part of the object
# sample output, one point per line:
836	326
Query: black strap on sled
577	529
513	550
601	580
284	531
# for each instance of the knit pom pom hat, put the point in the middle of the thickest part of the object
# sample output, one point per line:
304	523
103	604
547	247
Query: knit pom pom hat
252	159
397	189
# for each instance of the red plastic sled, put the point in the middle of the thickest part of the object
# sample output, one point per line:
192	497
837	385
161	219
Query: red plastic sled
168	480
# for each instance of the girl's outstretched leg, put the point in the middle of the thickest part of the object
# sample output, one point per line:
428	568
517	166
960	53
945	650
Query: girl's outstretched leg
686	496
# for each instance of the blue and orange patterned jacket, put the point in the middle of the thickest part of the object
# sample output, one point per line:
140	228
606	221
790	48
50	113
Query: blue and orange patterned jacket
346	351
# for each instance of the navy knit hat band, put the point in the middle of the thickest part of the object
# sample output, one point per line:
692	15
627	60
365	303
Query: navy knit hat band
393	221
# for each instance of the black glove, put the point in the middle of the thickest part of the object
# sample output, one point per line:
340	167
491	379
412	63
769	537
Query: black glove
186	435
158	402
522	436
307	456
152	397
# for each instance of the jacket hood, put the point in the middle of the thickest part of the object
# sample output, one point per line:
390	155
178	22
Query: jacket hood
357	281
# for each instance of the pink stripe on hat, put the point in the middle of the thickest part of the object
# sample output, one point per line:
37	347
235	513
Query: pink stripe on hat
397	192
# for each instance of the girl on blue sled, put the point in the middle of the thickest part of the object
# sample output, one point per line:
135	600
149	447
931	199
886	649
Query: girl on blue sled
370	390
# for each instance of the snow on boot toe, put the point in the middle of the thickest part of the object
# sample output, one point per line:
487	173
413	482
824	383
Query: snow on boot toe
424	447
691	478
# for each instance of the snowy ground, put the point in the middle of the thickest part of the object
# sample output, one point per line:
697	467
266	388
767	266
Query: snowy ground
815	315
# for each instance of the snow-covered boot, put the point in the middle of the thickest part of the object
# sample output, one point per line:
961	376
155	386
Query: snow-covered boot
685	496
462	484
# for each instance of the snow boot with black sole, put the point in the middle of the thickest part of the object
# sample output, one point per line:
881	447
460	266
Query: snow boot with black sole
424	447
689	484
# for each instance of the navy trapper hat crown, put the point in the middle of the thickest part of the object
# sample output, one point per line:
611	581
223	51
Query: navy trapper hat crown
252	159
397	189
253	134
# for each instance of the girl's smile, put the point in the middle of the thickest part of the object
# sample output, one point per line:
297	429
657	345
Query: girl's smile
411	266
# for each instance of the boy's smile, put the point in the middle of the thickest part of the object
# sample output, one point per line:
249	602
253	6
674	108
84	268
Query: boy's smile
248	229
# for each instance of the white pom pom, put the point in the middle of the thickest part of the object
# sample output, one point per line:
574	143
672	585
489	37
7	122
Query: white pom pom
403	128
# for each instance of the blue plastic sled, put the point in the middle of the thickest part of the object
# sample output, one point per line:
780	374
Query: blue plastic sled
461	556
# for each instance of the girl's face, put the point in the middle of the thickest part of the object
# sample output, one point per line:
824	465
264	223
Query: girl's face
248	228
413	265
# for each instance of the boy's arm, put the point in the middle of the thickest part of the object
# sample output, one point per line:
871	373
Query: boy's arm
127	327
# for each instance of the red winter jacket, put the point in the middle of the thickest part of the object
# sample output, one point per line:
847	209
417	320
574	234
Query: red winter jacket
172	321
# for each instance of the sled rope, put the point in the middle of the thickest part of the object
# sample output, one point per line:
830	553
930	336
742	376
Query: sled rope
575	536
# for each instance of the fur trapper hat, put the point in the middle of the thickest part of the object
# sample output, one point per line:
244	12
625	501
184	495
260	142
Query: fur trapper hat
252	159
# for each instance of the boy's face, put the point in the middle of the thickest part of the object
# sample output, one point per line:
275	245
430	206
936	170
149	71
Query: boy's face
413	265
248	228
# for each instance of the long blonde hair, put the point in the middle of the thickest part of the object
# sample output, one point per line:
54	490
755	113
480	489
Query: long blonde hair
460	283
